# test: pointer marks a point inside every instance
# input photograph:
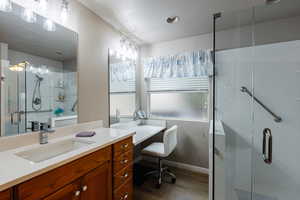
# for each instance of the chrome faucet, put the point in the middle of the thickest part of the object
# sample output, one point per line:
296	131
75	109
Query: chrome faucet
118	116
44	132
139	114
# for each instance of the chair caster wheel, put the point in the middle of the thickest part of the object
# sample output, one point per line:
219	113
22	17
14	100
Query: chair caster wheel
173	180
158	186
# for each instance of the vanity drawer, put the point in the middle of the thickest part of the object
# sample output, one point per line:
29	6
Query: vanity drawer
122	161
125	192
123	176
49	182
123	146
5	195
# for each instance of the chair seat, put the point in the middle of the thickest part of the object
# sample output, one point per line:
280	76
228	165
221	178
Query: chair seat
155	149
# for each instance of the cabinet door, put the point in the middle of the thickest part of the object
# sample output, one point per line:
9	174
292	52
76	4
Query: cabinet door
5	195
69	192
97	185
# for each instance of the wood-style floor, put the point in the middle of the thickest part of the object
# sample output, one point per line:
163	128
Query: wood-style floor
189	186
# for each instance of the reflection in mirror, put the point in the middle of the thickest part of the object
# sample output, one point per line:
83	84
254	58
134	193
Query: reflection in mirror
122	88
38	73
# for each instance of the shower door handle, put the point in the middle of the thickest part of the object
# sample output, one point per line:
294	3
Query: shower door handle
267	146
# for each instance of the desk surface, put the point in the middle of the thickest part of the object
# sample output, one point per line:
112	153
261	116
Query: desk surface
142	132
145	132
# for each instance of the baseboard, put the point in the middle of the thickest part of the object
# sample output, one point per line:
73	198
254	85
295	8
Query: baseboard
179	165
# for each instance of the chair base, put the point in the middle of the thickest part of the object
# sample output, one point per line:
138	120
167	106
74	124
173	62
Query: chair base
160	173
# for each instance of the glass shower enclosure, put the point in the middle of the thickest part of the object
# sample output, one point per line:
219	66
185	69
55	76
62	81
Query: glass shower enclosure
256	126
14	100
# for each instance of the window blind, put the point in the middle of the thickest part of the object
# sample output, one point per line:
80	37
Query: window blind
178	84
122	86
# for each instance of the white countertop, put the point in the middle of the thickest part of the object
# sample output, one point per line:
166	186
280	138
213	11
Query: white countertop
142	132
15	170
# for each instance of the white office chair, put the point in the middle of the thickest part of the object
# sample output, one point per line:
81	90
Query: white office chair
162	150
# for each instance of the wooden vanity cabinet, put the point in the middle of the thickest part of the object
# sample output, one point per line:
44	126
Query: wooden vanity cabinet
70	192
5	195
123	170
105	174
42	186
95	185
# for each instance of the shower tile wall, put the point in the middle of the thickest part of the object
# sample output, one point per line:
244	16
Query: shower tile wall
70	84
50	86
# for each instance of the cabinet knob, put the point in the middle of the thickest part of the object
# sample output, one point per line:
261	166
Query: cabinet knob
84	188
124	146
125	175
77	193
125	196
124	161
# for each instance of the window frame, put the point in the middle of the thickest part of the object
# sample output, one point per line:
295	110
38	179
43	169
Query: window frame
148	102
122	93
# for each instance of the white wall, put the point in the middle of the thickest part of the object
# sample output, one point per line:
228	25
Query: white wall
178	46
95	37
192	145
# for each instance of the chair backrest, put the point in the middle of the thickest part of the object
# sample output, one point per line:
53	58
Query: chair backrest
170	140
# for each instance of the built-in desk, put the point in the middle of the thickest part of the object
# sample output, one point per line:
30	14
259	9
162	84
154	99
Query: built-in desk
143	131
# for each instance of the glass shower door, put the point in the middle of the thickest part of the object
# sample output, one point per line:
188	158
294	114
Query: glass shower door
276	84
14	99
257	96
233	111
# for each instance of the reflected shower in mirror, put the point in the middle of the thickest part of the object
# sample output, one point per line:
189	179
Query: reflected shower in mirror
122	88
38	73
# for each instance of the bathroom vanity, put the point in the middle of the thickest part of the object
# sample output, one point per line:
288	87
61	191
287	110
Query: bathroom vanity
101	170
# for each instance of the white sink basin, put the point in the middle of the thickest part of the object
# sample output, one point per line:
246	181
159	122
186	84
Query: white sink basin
48	151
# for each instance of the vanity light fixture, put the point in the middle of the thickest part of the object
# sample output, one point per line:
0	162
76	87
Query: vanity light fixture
5	5
49	25
28	15
42	5
64	10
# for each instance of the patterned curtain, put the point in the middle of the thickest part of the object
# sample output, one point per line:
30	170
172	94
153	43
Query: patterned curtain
124	71
191	64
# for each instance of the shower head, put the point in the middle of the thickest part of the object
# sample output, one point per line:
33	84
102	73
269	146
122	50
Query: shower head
39	78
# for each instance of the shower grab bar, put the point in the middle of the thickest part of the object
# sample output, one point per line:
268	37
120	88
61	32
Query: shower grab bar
276	117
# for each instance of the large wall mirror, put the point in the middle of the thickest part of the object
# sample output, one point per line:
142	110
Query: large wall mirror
122	88
38	72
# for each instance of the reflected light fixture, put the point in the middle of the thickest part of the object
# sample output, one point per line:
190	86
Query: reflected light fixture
64	10
42	5
49	25
5	5
28	15
19	67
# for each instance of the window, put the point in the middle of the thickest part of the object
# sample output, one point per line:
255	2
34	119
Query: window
178	98
122	98
124	103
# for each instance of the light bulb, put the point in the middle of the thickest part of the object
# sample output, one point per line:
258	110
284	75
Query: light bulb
64	10
111	52
28	15
43	4
5	5
49	25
